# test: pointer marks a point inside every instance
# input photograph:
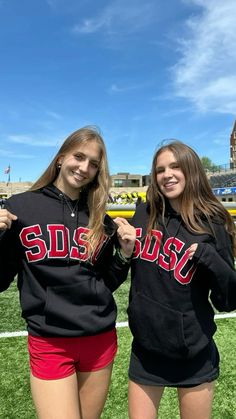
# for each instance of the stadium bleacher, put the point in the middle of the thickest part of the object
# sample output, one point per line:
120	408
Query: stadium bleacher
223	180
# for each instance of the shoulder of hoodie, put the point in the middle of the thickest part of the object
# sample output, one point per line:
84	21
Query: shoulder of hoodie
222	237
217	223
22	198
140	214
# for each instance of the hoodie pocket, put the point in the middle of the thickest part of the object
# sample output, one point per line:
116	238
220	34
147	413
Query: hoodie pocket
157	327
85	307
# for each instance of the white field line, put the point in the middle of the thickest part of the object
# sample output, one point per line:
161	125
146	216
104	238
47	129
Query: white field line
119	324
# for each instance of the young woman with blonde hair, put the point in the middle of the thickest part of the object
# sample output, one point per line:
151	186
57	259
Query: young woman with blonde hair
58	240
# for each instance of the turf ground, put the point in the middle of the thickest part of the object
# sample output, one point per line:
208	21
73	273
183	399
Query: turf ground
15	399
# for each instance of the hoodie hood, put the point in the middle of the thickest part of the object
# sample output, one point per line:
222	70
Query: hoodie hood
55	193
52	191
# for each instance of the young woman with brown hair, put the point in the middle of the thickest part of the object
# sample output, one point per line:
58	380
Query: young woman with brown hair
183	264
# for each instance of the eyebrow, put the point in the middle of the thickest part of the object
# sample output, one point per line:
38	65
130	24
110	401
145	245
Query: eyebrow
170	165
84	155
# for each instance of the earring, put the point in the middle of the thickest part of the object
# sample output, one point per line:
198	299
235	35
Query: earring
59	166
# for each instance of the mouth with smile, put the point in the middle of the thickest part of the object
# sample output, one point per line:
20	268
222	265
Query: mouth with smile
170	185
78	176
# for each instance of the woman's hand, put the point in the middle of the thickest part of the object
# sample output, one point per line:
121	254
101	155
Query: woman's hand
191	250
126	234
6	218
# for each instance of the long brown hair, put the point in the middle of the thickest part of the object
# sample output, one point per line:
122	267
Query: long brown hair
98	189
197	200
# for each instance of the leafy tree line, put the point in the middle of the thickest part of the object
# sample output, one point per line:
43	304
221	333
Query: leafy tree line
209	165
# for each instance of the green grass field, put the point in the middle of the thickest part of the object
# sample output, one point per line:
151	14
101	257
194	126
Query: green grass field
15	399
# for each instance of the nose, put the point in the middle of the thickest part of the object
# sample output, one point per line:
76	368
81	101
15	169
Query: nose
168	172
84	165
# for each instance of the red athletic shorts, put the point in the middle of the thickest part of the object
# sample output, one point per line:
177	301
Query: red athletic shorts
54	357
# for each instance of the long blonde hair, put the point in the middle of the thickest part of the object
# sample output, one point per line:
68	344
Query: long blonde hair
97	190
197	200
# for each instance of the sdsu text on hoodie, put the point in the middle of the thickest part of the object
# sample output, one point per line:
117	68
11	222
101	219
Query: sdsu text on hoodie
170	309
62	293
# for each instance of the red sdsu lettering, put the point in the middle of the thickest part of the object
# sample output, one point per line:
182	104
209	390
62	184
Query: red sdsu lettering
169	259
137	248
184	279
151	250
82	252
29	239
59	241
169	247
98	249
55	233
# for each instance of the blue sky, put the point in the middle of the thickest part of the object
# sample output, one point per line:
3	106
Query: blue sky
142	71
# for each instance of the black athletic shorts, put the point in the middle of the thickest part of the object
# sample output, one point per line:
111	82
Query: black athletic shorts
149	368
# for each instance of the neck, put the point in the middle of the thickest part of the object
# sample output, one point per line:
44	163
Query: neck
72	194
175	205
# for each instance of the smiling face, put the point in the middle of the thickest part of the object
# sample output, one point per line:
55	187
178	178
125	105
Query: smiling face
78	168
170	178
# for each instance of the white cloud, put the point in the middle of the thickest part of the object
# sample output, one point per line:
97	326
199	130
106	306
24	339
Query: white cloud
15	155
114	88
53	3
27	140
205	73
118	16
53	115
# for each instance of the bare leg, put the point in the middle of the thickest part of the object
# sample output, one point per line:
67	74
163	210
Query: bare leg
196	402
56	399
144	401
93	390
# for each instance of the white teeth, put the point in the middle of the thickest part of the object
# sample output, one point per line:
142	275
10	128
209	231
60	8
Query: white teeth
78	176
170	184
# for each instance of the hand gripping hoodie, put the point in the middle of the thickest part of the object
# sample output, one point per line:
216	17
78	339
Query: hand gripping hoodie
172	298
62	293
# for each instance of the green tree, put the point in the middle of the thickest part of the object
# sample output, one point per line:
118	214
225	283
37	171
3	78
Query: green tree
208	164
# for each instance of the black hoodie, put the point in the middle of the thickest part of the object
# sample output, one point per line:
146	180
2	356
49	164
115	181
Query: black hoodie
62	293
170	309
